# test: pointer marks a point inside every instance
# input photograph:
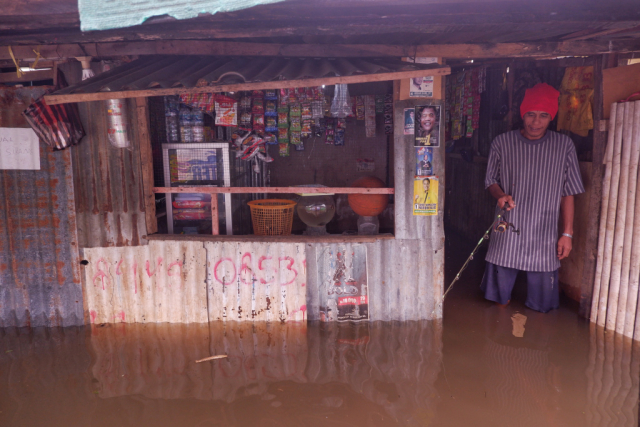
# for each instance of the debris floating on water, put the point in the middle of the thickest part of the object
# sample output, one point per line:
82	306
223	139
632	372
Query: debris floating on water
219	356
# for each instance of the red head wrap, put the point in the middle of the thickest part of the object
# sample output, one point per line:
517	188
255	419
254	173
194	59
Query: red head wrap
541	97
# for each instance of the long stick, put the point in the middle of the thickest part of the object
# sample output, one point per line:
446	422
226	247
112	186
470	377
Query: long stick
621	220
634	155
484	237
606	188
220	356
634	274
611	217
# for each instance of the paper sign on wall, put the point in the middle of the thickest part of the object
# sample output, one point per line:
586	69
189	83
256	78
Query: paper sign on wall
424	157
421	87
425	195
19	149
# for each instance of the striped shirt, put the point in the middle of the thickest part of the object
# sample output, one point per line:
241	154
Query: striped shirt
537	174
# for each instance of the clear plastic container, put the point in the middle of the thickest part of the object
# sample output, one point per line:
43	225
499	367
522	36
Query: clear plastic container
197	125
173	128
368	225
186	128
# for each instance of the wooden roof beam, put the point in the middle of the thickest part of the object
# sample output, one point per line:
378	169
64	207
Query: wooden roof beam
223	48
279	84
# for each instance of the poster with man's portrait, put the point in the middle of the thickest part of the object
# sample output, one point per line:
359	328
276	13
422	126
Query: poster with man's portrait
425	195
409	120
424	159
427	127
421	87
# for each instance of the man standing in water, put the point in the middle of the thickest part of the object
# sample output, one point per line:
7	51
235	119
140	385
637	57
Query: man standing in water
533	173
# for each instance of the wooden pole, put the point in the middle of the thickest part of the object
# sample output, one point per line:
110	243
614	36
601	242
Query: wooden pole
590	252
634	142
215	230
611	216
146	164
631	319
312	50
606	188
621	221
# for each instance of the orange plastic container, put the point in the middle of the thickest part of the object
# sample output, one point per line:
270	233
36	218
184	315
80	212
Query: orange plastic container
272	217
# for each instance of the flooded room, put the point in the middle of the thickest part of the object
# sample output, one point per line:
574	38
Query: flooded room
312	212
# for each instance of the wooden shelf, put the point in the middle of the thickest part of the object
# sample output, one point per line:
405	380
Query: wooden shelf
293	238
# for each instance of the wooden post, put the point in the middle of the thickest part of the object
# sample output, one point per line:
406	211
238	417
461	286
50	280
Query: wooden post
146	164
215	230
610	223
622	228
634	275
625	317
595	196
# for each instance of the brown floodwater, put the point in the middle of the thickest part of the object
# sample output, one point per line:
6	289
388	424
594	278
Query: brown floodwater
481	366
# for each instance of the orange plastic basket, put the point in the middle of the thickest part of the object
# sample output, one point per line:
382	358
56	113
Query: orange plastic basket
272	217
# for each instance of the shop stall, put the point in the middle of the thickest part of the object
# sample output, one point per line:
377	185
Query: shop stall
277	190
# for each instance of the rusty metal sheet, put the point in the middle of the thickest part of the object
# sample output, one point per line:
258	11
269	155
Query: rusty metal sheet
108	184
40	281
256	281
167	71
159	282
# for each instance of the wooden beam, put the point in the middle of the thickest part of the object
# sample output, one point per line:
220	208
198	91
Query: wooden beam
590	254
223	48
100	96
146	164
29	76
329	238
274	190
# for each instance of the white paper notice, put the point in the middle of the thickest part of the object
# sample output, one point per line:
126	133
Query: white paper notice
421	87
19	149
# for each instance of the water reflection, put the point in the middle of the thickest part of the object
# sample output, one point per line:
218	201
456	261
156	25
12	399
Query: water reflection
489	367
612	387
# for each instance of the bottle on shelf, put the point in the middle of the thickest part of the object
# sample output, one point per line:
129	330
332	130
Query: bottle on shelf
186	128
171	119
197	125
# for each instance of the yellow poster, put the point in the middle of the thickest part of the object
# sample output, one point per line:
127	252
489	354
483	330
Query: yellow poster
425	195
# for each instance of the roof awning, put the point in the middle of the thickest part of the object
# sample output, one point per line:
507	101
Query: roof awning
175	75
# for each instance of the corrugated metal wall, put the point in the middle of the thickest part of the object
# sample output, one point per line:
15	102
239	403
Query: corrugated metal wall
256	281
166	281
400	274
108	183
159	282
40	281
416	256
